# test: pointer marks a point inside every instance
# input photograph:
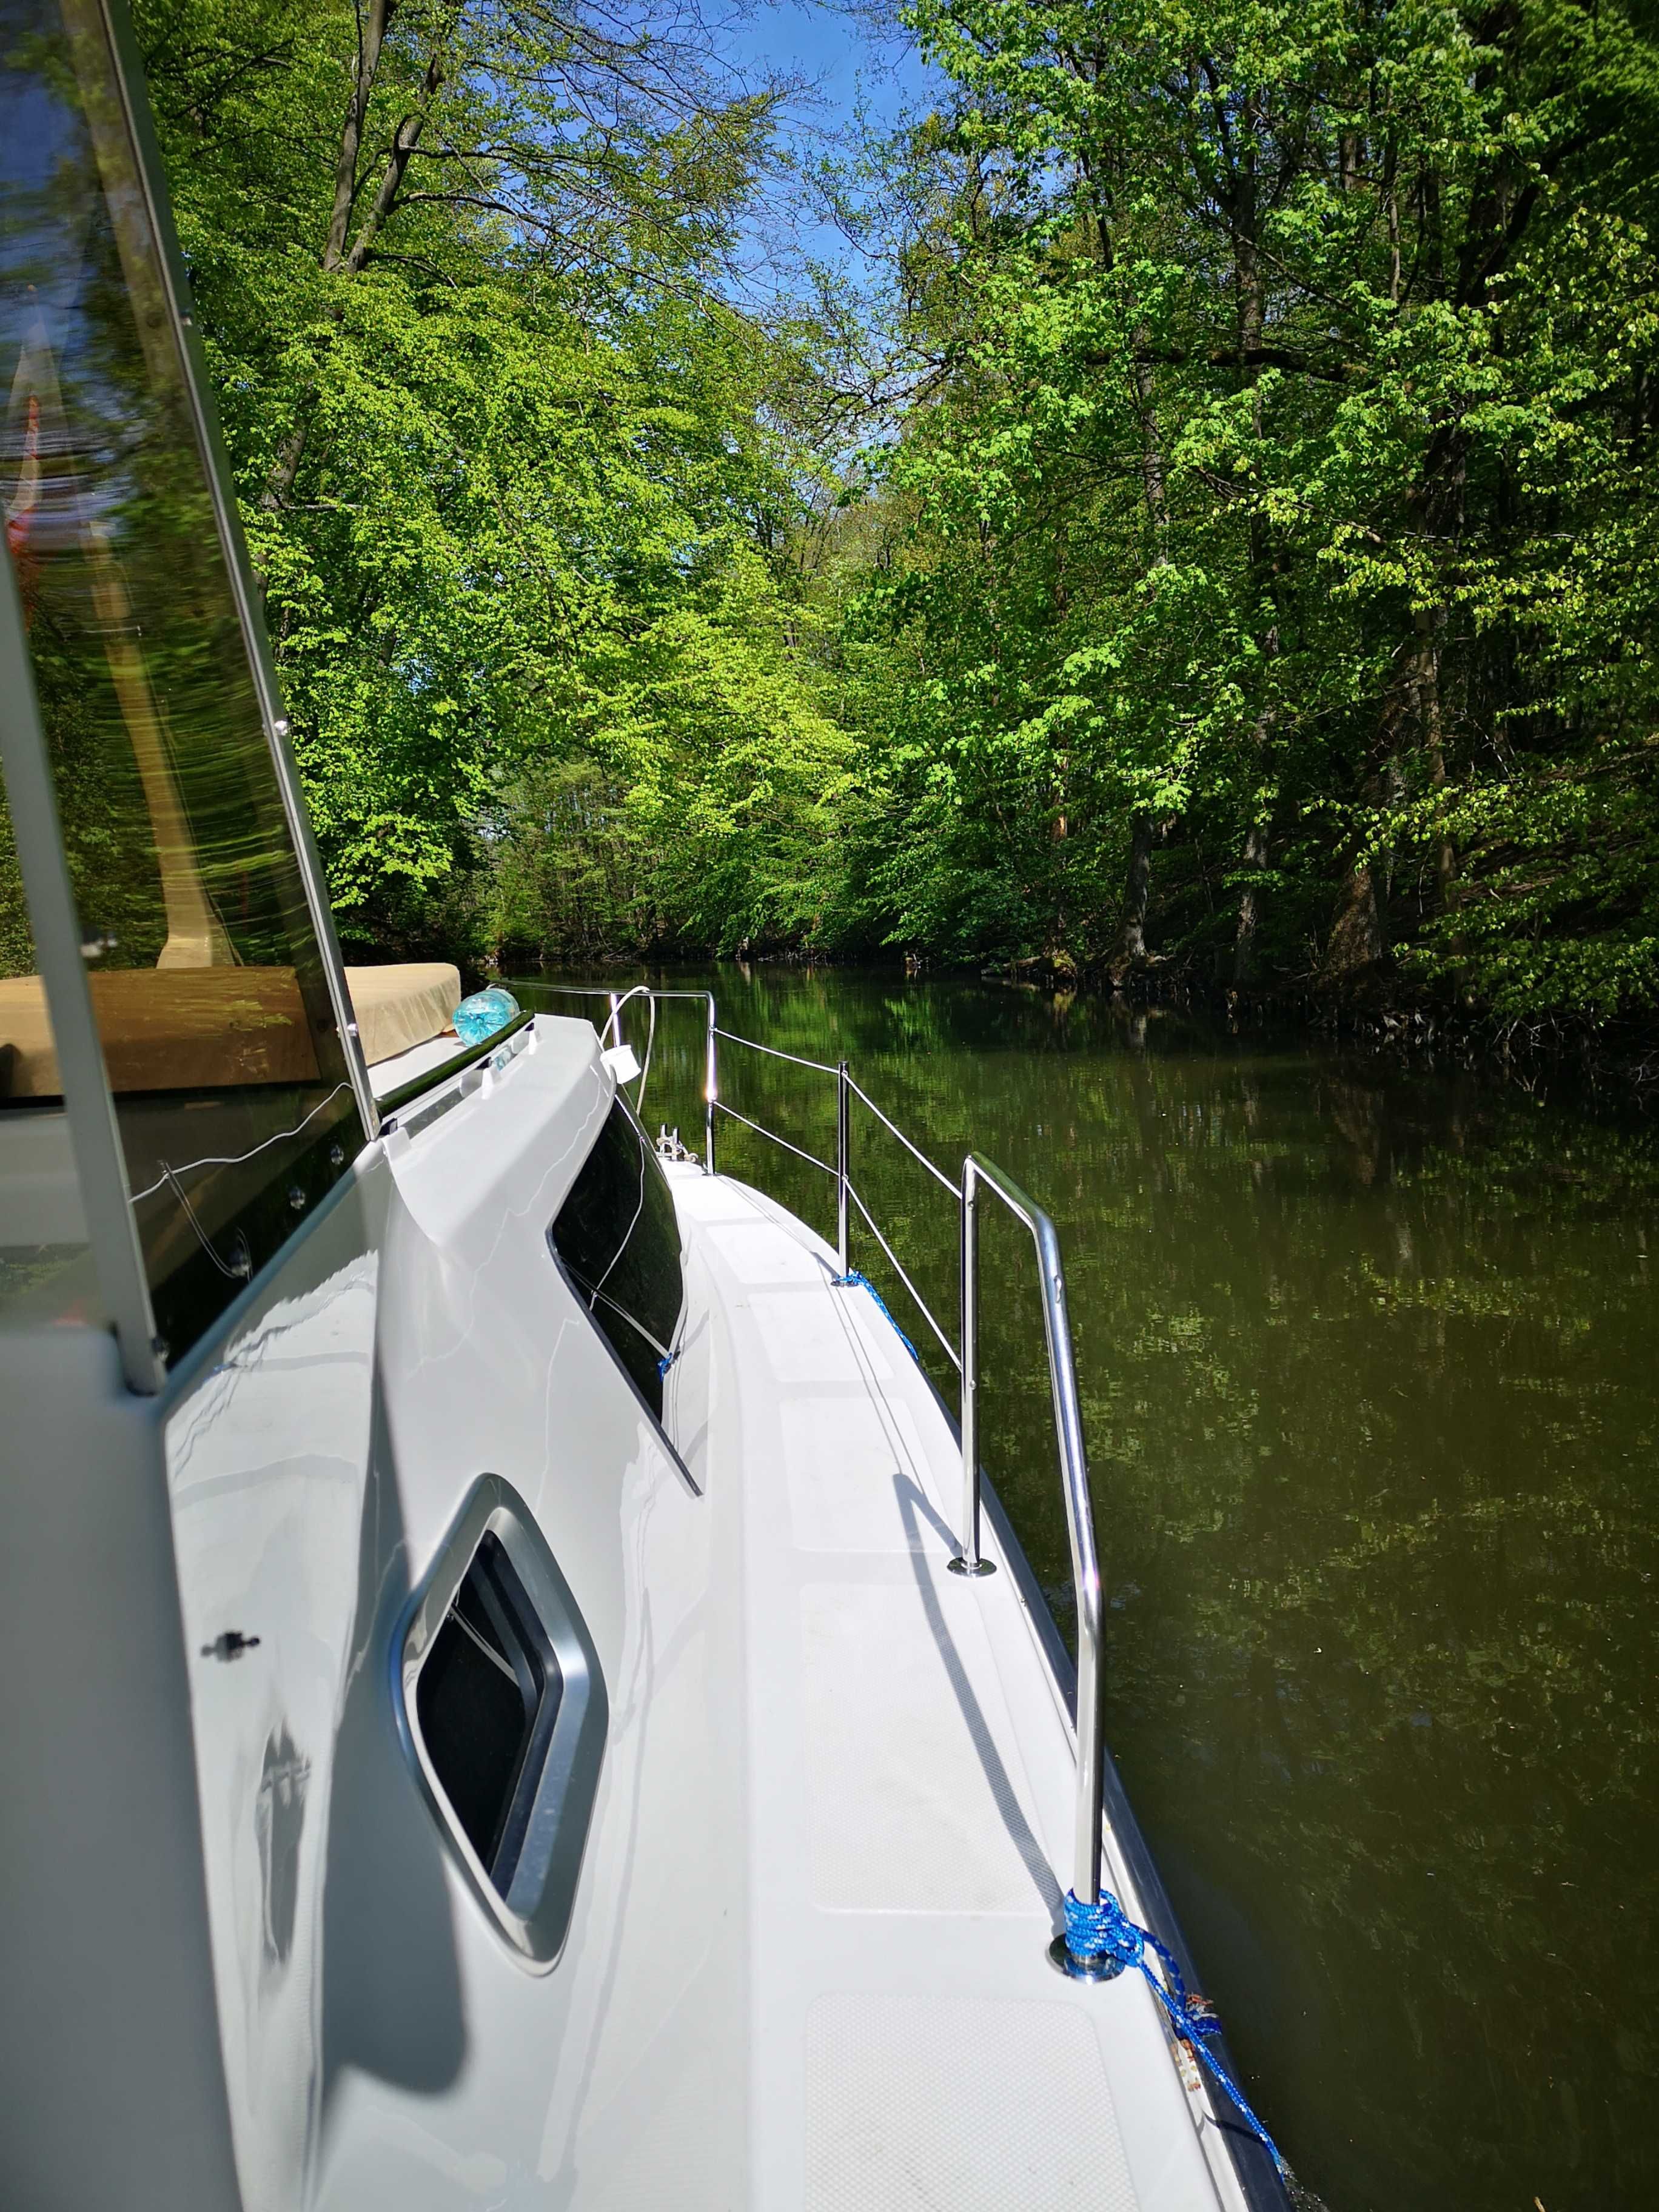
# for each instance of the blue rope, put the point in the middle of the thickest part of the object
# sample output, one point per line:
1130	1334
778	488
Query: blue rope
864	1283
1104	1930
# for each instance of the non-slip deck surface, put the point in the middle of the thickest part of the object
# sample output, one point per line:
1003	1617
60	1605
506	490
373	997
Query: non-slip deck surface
911	1780
938	2139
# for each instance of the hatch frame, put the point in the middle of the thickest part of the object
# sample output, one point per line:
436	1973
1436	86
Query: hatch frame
533	1915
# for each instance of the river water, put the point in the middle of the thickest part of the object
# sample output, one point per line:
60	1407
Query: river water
1371	1384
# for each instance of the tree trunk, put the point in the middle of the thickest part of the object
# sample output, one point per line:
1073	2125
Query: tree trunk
335	258
1151	464
1356	938
1430	719
371	32
1264	558
1391	210
1249	904
1136	890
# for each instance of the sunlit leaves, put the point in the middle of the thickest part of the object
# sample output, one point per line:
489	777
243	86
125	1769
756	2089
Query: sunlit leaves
1292	480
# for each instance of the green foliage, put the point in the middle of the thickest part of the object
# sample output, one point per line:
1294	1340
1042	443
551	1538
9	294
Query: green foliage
514	465
1252	565
1285	479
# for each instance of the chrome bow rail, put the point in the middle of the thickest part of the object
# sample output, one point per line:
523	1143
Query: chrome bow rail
978	1174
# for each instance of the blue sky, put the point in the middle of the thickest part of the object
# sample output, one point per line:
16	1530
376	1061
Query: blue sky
842	56
847	62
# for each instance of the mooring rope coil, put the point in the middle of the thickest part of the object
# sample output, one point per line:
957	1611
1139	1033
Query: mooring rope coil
1105	1931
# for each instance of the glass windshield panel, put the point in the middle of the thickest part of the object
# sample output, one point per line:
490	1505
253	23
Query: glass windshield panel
618	1240
46	1264
235	1110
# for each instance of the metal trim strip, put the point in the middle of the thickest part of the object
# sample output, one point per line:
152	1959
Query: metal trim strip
135	100
418	1085
111	1230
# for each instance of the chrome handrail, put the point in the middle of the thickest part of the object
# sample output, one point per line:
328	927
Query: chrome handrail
977	1172
612	1025
844	1181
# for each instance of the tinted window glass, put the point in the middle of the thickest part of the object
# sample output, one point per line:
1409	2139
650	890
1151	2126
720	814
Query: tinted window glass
207	981
619	1242
487	1698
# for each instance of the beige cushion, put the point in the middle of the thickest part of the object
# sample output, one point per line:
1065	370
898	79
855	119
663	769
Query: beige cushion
402	1005
205	1029
166	1029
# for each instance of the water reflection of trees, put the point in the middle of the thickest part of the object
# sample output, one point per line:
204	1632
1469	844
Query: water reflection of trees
1368	1359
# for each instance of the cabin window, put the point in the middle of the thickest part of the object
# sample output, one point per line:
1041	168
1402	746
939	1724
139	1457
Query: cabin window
220	1041
617	1240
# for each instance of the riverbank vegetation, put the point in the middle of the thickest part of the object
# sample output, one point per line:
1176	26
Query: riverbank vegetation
1218	538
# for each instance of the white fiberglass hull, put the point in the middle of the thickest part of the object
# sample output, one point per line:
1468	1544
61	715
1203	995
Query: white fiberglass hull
805	1964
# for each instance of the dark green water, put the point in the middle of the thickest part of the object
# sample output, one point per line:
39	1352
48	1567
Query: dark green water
1372	1386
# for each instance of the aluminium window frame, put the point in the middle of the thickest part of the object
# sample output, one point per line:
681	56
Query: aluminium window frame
89	1103
88	1099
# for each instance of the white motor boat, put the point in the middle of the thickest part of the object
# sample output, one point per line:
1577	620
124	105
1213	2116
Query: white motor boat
510	1700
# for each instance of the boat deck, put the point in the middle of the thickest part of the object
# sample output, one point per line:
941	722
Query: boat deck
910	1783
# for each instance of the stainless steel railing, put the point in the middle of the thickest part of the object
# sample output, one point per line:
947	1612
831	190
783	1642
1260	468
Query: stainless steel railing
978	1174
977	1171
611	1028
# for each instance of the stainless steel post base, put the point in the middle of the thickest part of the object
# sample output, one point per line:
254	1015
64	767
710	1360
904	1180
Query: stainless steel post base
1064	1960
960	1566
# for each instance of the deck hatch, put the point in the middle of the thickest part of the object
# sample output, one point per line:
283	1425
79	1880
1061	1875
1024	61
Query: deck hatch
487	1699
503	1709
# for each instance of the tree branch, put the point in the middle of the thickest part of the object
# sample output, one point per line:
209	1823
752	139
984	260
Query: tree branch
404	141
371	35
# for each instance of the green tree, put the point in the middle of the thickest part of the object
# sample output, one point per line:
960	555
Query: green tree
1277	521
515	460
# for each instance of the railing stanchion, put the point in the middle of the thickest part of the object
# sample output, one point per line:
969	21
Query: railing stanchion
711	1090
1086	1564
967	1560
1074	1483
843	1137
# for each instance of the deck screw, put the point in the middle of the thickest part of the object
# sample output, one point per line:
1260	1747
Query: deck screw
230	1643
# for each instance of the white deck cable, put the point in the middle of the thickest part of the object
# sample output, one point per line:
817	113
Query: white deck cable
234	1159
772	1136
937	1173
951	1354
772	1052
